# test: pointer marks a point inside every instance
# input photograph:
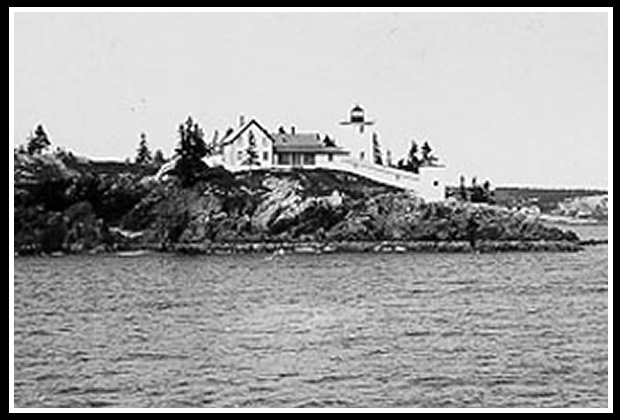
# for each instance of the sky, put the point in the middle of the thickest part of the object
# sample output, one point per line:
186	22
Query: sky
515	98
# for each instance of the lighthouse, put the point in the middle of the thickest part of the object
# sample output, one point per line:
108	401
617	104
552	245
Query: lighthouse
355	135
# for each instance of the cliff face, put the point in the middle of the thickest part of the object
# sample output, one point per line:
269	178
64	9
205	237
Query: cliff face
59	207
323	206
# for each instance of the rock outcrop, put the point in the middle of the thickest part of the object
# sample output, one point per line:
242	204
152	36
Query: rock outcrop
61	208
590	207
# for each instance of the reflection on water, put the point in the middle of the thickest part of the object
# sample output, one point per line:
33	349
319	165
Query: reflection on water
418	330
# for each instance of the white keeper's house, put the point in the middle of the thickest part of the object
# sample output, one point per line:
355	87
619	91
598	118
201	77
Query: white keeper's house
253	146
273	150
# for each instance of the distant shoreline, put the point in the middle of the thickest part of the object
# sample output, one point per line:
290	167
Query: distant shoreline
571	221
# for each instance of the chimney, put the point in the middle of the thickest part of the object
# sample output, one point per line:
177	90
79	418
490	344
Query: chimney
292	129
241	120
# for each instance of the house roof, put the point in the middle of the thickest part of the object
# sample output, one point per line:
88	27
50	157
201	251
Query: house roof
240	130
300	139
286	142
316	150
303	142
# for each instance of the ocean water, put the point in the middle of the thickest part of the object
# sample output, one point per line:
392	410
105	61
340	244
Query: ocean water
352	330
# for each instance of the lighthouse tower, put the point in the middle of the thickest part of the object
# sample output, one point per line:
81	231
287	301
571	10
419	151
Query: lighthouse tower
355	134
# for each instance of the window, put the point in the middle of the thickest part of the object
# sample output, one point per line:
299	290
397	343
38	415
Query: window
265	156
308	159
284	159
330	157
265	142
435	183
240	155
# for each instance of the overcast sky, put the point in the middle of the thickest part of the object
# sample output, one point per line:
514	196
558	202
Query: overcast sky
518	98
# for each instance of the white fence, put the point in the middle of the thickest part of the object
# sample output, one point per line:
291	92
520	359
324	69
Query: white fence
382	174
428	184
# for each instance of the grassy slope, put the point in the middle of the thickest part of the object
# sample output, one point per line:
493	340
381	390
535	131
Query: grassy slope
318	181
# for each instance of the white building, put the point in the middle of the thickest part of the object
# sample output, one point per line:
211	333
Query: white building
355	134
252	146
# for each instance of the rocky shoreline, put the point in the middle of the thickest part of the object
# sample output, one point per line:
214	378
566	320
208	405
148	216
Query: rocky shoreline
383	247
67	207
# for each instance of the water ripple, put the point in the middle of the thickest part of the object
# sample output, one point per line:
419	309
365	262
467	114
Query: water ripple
422	330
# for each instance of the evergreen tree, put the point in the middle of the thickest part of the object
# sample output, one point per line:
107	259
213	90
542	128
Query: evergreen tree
427	154
413	162
251	155
462	188
158	158
488	192
376	150
215	141
477	194
190	152
328	141
487	186
38	142
426	151
143	155
480	193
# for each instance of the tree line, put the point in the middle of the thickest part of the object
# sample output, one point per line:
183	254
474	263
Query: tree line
189	151
475	193
415	158
418	157
38	142
192	148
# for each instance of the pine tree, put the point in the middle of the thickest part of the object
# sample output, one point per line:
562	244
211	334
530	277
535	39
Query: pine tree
462	188
478	193
413	162
143	155
376	150
427	154
488	192
38	142
190	152
251	155
215	141
328	141
158	158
